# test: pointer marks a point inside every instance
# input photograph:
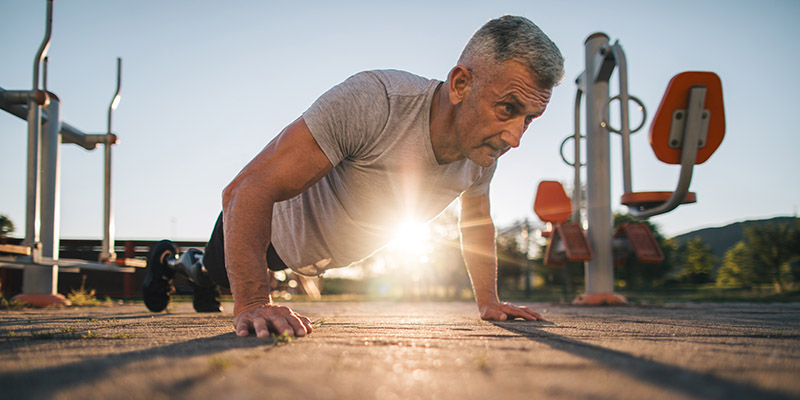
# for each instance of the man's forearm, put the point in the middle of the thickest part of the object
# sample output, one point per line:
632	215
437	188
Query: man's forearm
480	256
247	225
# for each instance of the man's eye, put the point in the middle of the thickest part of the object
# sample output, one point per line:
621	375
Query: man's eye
506	110
528	120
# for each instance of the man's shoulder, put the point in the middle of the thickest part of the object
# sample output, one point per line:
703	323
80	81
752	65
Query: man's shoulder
399	83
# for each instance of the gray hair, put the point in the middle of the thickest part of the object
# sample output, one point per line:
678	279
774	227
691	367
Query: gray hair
515	38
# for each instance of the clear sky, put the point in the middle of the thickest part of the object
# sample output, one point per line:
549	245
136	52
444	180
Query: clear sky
206	84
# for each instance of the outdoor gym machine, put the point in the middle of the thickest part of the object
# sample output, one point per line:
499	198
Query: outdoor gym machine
687	128
38	253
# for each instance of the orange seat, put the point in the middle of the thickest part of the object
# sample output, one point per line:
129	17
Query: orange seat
668	134
677	98
642	241
551	203
652	199
568	243
567	240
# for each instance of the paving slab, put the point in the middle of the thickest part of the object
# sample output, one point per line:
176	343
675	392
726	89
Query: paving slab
387	350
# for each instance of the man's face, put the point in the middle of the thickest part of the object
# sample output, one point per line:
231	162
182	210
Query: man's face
496	110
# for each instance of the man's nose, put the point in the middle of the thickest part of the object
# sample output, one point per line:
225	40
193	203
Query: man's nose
513	134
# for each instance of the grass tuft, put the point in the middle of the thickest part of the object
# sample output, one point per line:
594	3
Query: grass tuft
219	363
283	338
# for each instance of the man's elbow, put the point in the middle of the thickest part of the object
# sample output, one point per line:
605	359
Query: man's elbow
247	192
229	194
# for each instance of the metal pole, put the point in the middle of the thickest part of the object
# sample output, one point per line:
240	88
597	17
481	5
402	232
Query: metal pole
51	179
108	210
599	66
32	203
44	279
32	190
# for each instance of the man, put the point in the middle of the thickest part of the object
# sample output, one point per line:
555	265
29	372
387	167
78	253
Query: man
333	186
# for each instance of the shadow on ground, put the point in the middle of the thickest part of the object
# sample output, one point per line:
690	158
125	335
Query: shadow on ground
32	384
669	377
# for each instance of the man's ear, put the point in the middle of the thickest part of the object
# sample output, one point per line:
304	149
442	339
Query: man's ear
459	83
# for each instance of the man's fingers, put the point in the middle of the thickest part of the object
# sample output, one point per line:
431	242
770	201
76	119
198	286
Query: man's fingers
526	313
278	319
280	325
260	326
306	323
297	325
242	328
506	311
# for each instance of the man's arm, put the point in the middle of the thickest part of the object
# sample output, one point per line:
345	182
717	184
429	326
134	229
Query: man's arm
286	167
480	254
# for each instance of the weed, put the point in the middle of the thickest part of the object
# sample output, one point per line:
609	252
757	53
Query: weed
122	335
218	363
12	304
68	329
81	297
482	363
282	338
42	335
91	335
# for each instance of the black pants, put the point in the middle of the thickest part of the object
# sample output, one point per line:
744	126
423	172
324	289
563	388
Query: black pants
214	257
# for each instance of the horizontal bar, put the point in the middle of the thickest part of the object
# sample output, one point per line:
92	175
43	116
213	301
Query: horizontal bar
45	262
15	249
69	134
23	96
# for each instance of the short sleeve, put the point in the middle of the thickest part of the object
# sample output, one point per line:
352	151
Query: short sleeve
481	185
346	117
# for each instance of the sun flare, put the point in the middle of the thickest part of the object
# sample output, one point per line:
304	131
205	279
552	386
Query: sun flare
412	237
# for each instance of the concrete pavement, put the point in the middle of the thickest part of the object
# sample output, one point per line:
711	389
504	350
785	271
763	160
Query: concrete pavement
377	350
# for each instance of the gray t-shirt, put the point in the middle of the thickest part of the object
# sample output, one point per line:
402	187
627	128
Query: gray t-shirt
375	130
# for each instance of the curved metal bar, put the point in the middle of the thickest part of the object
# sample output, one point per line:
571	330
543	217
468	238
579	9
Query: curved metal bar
115	100
691	136
576	180
40	55
107	252
625	130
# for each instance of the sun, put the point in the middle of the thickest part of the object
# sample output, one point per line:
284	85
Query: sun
412	237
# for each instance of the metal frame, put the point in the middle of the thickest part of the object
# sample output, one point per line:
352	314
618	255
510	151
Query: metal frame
38	254
689	126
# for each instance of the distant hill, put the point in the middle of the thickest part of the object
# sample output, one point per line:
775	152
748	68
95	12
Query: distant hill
723	238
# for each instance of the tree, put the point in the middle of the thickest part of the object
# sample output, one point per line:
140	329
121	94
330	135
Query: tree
774	247
698	265
737	267
6	226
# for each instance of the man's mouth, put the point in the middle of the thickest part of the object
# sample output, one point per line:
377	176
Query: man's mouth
497	151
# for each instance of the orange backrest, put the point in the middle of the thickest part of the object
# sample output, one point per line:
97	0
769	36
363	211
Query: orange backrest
551	203
677	97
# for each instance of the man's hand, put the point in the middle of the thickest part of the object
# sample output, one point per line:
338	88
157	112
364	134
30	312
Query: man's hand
279	319
507	311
